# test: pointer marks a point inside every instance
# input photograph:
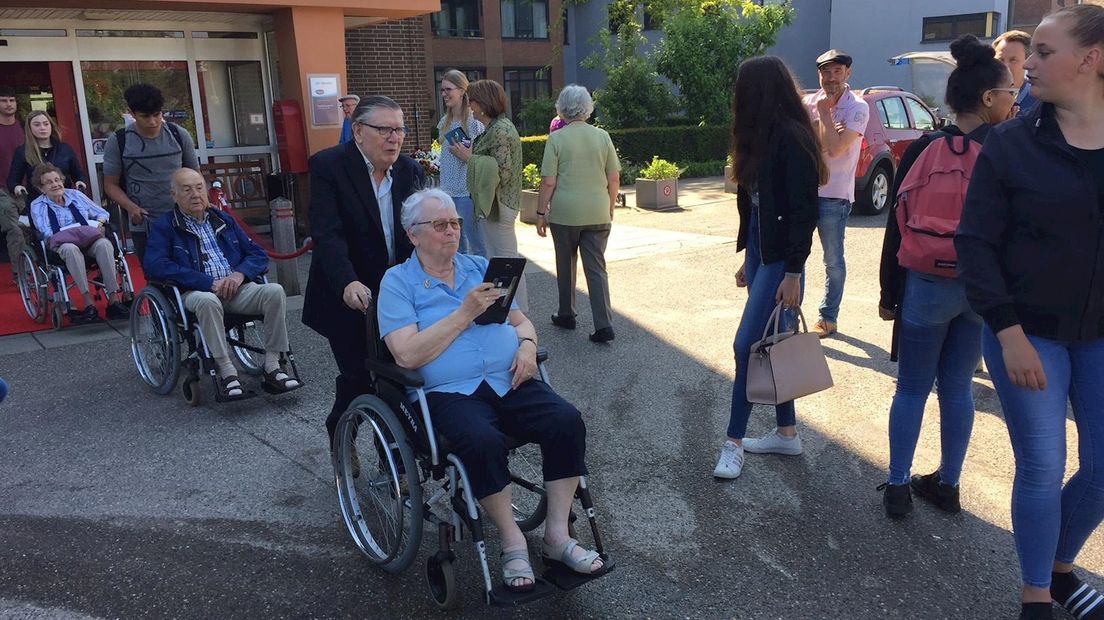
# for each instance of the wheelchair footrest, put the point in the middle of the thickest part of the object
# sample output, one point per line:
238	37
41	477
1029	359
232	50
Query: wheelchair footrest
503	597
564	578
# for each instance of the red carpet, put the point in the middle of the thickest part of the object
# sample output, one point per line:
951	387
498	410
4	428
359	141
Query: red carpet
14	319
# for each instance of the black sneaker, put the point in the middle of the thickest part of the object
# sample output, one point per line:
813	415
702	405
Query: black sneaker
1079	598
566	322
1036	611
897	500
932	489
117	310
90	314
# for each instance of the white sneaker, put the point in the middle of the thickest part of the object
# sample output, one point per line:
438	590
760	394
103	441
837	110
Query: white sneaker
731	462
773	443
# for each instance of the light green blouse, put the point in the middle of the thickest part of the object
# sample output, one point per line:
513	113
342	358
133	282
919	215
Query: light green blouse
581	157
494	170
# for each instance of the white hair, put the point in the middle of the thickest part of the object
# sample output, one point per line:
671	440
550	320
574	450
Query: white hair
574	103
412	206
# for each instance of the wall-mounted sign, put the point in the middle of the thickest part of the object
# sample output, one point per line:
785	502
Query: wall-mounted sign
256	119
325	108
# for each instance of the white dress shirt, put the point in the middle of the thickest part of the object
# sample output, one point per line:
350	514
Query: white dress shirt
382	191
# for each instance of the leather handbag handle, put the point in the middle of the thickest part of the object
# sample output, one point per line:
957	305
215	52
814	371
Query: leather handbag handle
776	318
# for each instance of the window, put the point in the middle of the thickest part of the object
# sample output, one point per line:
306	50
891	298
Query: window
233	100
457	18
524	19
105	82
524	84
133	34
921	118
1027	13
653	18
892	111
33	32
950	27
439	72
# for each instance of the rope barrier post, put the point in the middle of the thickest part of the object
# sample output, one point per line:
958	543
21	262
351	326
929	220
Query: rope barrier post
283	241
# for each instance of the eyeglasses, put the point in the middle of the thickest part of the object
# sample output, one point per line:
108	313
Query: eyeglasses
385	132
1015	92
443	225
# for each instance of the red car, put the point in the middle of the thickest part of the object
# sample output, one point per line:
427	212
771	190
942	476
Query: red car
897	118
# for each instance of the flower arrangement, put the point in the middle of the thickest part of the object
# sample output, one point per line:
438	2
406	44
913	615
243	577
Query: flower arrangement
429	159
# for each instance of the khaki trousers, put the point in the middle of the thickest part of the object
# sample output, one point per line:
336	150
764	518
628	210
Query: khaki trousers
252	298
9	226
103	252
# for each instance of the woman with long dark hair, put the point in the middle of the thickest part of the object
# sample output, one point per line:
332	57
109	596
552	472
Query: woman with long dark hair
43	146
1031	253
939	335
777	166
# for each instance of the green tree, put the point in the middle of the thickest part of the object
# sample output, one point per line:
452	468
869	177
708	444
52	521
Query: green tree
704	43
633	95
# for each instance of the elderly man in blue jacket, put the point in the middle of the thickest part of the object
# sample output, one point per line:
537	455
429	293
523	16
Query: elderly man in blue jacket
204	252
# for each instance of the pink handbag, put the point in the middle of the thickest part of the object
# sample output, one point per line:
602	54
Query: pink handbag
80	236
784	366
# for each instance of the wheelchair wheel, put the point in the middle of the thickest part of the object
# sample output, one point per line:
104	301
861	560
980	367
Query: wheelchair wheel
32	289
57	316
527	496
441	575
377	484
154	340
251	333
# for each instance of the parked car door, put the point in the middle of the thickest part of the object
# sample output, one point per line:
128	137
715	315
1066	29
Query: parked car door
899	128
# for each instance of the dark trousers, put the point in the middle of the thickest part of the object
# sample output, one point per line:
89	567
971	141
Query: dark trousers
349	353
140	239
590	241
477	426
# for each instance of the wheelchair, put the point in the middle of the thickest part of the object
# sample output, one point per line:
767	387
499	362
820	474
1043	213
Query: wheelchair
44	280
161	329
393	472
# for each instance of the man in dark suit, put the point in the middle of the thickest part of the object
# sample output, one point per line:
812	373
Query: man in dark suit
357	191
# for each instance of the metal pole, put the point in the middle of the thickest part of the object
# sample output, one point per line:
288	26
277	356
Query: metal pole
283	241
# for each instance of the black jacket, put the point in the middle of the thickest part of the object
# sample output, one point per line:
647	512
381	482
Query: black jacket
1031	240
788	210
61	155
348	234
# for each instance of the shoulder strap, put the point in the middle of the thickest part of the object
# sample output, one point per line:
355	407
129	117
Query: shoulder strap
174	129
120	139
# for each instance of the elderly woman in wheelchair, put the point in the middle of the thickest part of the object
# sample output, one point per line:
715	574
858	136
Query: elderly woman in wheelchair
73	226
481	387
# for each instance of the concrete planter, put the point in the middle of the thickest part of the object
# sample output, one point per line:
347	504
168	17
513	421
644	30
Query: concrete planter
661	194
529	206
730	185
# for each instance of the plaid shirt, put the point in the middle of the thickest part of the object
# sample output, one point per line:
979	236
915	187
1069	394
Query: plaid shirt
214	263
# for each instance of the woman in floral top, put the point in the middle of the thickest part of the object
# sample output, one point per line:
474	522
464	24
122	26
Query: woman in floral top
454	172
494	174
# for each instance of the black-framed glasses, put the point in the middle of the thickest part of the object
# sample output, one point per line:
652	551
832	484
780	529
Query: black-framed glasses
443	225
385	131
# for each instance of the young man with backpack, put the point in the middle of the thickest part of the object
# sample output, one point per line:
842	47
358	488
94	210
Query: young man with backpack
140	159
937	334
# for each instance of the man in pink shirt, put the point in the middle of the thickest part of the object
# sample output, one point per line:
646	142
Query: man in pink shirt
11	138
839	118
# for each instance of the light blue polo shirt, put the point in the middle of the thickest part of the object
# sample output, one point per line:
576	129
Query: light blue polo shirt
410	296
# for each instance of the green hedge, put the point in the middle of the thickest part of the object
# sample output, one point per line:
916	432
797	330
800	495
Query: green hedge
678	144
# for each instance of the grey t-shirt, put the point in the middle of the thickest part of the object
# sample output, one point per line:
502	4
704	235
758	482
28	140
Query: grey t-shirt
147	166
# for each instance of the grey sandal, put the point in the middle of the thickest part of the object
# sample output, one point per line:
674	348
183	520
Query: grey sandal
510	574
561	554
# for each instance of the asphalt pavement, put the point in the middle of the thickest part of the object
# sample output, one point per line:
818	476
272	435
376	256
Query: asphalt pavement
118	503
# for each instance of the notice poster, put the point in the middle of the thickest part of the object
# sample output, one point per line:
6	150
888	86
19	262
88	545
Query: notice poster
325	108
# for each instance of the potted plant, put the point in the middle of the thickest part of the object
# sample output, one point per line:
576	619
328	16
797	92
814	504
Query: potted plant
729	184
657	185
530	193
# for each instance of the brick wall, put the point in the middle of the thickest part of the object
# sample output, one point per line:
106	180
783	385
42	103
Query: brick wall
390	59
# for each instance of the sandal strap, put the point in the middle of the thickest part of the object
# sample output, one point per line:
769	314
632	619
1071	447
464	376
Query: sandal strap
582	564
510	574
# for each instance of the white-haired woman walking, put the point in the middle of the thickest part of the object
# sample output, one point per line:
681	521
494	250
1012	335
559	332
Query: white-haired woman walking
580	177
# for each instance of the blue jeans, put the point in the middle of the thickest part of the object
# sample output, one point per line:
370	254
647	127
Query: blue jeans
1051	523
471	237
763	281
832	225
940	342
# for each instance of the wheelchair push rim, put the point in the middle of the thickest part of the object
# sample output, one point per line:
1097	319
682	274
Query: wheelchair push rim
381	510
32	290
154	341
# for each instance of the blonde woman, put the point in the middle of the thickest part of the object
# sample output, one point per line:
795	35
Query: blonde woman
454	171
43	146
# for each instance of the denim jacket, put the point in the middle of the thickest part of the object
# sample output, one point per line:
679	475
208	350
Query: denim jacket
173	252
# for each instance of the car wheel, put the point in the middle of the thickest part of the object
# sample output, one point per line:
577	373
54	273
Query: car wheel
874	198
